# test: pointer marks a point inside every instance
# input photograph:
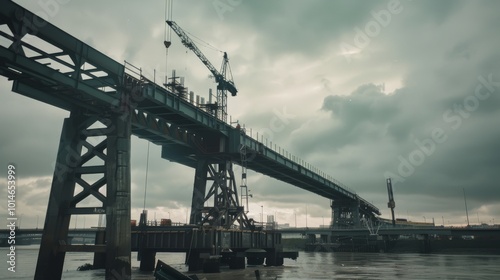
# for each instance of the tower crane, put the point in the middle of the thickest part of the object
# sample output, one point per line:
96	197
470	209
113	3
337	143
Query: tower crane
223	78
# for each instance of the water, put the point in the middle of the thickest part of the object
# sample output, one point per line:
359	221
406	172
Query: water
309	265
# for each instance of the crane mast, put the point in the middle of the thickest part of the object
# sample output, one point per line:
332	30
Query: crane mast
223	78
391	204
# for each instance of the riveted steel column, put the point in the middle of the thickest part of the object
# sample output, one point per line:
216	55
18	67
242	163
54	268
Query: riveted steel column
118	231
200	185
55	230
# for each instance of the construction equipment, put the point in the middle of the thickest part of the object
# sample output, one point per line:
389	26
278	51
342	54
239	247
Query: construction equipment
391	204
223	78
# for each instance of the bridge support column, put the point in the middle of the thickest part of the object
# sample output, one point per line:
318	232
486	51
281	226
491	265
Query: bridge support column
86	152
100	258
200	185
148	259
224	209
194	261
345	214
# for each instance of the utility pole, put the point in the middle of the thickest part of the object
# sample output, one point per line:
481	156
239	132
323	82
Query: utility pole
306	216
295	213
466	211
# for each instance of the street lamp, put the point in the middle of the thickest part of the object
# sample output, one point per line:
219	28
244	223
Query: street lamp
306	216
262	214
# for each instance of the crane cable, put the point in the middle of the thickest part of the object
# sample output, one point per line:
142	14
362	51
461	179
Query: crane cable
206	44
167	35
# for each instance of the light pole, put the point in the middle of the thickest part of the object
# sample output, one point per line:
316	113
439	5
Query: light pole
262	214
36	221
425	221
295	213
306	216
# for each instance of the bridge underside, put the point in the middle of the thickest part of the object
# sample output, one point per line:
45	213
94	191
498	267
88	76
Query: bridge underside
349	214
108	104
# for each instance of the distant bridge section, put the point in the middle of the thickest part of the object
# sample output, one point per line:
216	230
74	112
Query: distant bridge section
444	231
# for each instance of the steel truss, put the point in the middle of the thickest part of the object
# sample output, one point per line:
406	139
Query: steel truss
220	206
91	177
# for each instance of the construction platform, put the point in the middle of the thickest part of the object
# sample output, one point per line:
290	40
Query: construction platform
206	247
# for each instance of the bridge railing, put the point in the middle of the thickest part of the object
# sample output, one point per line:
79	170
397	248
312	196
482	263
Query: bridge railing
267	148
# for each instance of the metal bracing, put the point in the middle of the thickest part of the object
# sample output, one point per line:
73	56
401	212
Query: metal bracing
92	162
65	71
345	214
220	205
243	186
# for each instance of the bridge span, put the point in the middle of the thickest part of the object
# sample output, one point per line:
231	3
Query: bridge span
110	101
430	230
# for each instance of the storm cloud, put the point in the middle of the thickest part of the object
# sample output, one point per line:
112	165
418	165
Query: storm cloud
407	89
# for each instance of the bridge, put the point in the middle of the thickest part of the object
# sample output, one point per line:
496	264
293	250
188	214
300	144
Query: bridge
396	231
424	230
190	239
110	101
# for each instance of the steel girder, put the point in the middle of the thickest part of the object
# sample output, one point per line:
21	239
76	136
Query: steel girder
92	169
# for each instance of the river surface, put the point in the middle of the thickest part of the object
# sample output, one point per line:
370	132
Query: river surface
309	265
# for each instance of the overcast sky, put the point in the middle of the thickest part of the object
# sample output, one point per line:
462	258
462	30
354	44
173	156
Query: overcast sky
364	90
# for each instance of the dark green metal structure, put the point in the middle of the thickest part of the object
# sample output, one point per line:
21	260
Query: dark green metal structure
110	101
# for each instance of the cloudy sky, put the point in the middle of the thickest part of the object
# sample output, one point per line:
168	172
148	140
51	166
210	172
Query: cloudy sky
363	90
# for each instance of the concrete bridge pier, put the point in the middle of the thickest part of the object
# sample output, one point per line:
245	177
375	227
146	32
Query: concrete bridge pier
193	260
100	258
325	238
148	260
